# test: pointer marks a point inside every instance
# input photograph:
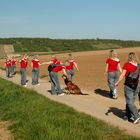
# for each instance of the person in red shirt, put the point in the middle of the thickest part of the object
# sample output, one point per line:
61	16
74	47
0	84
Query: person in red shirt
51	64
130	93
55	85
53	60
35	70
112	68
13	65
8	67
70	67
23	65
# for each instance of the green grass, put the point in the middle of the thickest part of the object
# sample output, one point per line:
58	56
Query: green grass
34	117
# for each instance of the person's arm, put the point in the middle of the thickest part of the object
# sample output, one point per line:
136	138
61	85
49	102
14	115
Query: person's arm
32	64
106	69
27	57
19	61
39	63
61	63
75	65
119	67
121	77
5	64
64	71
46	63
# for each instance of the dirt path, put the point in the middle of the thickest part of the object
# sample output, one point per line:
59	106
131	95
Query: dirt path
96	105
5	134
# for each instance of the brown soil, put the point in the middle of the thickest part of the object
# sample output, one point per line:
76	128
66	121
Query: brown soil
5	134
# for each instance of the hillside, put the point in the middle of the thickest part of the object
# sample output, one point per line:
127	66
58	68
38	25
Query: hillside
57	45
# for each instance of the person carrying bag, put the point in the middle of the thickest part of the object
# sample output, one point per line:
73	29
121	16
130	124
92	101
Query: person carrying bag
131	74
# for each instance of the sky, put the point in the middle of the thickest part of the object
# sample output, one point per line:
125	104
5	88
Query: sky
70	19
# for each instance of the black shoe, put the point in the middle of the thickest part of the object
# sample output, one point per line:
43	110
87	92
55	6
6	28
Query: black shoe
110	95
125	118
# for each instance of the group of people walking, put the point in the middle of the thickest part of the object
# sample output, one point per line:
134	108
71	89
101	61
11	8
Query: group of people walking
54	66
10	65
115	74
113	71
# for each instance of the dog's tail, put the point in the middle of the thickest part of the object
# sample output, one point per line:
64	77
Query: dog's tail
83	93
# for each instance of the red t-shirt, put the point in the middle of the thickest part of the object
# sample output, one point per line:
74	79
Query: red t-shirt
8	64
23	63
112	64
58	68
70	66
35	63
13	61
129	67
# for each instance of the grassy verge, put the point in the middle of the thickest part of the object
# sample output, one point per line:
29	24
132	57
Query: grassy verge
35	117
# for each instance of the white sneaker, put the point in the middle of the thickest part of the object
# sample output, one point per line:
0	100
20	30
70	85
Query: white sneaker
115	96
115	91
38	84
25	85
136	120
62	94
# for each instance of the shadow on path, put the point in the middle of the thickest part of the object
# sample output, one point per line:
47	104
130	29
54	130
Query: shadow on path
101	92
118	112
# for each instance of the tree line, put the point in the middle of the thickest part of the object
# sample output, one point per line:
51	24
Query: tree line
58	45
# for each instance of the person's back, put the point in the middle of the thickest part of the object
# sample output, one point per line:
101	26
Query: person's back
23	64
112	68
130	93
35	70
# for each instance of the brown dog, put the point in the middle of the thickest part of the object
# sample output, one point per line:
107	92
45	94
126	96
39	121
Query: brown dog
71	87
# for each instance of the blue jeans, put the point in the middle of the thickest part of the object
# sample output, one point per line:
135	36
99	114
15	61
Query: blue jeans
112	79
70	74
7	72
55	86
35	75
130	96
13	69
23	76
